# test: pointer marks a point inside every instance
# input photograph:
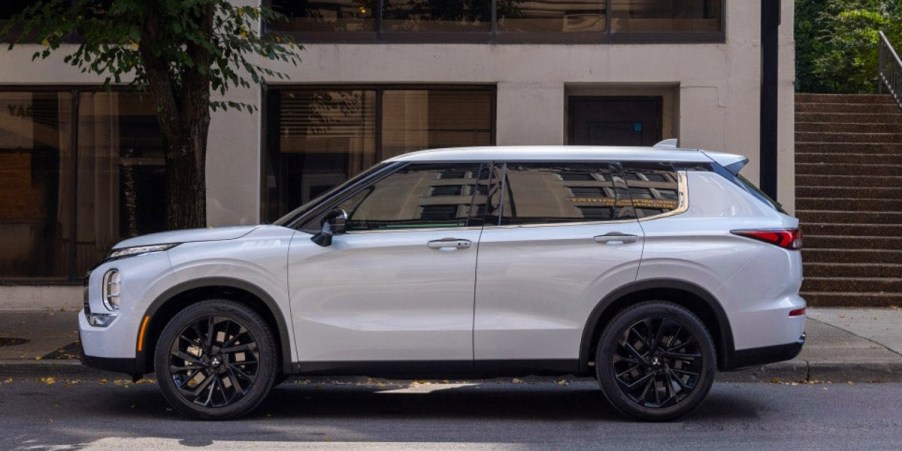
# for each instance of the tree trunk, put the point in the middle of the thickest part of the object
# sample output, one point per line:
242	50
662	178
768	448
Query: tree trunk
186	200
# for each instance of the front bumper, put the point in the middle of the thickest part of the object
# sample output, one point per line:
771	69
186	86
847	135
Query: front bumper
127	365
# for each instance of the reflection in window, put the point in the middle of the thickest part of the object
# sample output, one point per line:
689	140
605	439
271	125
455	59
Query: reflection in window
318	138
551	15
406	199
437	15
653	188
661	16
338	15
540	193
59	215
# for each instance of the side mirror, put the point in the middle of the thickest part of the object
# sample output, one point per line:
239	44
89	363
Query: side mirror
333	223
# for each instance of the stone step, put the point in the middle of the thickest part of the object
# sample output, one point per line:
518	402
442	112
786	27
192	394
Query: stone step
851	256
826	203
847	180
855	118
826	147
870	138
861	170
849	192
851	242
843	98
835	299
842	107
851	270
850	158
838	127
872	230
851	284
848	217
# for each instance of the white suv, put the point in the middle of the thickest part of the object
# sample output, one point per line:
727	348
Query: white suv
646	268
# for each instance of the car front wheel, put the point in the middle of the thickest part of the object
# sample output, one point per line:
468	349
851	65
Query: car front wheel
215	360
655	361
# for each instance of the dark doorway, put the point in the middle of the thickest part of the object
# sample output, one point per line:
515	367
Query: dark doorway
615	121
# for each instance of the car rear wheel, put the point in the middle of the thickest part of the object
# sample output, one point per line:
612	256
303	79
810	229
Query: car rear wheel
655	361
215	360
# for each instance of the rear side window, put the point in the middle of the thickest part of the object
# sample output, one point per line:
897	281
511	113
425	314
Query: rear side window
748	187
654	188
546	193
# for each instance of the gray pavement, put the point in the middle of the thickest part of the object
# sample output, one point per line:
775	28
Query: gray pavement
844	344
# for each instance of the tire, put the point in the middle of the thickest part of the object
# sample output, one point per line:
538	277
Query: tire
655	361
220	375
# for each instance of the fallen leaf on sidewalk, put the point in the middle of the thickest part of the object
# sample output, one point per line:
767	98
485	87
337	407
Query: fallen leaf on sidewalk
50	380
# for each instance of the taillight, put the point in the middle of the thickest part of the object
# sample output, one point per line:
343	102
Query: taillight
786	238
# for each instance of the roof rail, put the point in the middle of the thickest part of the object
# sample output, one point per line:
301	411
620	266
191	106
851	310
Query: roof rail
672	143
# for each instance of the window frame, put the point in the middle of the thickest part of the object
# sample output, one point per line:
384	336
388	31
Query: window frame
496	36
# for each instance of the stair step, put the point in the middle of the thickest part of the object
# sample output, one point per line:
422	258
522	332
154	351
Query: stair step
851	284
842	107
851	256
843	98
838	127
851	242
857	217
834	299
826	147
850	158
839	203
849	192
891	138
820	228
852	270
847	180
860	170
868	117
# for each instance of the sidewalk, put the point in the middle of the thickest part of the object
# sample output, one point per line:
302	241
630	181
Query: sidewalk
844	345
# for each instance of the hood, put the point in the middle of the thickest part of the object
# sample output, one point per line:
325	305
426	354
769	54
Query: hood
188	236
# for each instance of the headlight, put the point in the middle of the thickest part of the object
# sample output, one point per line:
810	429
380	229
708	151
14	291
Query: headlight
112	281
139	250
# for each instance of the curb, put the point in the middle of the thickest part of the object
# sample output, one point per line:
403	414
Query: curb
792	371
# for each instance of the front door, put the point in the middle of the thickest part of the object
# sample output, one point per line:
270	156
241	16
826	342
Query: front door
399	285
615	121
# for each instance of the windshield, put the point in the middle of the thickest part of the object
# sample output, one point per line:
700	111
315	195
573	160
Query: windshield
284	221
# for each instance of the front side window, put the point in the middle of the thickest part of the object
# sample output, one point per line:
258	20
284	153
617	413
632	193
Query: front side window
544	193
653	187
417	196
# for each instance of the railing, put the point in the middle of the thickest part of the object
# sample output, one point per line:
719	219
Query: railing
890	70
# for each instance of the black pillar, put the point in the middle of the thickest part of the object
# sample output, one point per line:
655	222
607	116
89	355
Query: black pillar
770	53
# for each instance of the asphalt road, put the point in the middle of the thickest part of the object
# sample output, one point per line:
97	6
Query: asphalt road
543	414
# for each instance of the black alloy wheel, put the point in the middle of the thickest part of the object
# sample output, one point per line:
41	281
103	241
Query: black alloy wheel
215	360
655	361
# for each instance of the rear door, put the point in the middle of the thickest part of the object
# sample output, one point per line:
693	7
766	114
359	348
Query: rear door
561	237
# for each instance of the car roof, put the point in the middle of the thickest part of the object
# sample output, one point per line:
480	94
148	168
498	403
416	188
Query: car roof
555	153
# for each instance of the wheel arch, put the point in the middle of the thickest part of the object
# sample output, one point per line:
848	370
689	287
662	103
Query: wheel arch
693	297
177	298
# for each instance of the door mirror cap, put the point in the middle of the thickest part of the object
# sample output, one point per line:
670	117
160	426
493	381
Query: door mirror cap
334	223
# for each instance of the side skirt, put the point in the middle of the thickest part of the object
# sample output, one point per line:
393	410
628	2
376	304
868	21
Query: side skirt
444	368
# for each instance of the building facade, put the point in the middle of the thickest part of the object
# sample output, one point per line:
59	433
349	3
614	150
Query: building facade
81	167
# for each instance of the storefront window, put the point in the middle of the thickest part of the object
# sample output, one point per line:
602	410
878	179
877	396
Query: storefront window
558	21
318	138
63	208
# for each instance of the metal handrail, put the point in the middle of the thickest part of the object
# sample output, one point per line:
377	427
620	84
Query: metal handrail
890	69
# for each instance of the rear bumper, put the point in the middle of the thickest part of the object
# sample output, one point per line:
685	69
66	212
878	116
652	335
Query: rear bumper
769	354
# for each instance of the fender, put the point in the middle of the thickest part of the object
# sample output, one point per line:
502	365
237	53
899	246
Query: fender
224	282
725	351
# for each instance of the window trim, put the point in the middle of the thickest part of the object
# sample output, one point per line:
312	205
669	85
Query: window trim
497	36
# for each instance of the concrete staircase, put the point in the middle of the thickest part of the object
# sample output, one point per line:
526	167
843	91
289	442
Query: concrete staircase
849	198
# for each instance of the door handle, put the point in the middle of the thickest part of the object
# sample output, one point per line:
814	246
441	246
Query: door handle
449	243
614	238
